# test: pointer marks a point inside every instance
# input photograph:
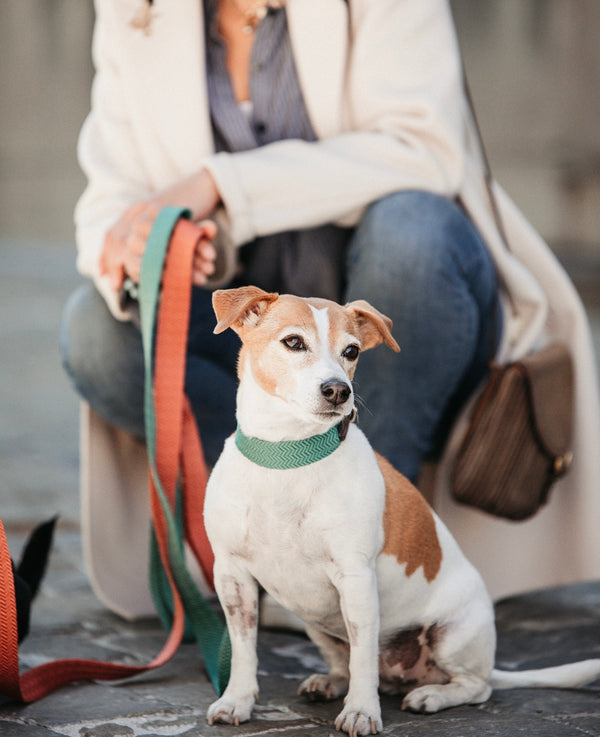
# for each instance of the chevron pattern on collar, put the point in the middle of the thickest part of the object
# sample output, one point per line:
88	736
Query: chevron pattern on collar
287	454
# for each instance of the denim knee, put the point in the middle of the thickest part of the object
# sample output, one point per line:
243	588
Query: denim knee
103	359
73	338
410	235
418	258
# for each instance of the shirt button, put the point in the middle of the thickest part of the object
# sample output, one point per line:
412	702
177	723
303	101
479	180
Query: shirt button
260	128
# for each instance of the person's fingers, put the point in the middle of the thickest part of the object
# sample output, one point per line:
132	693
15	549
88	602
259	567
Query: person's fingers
203	263
206	251
200	275
111	265
133	264
209	227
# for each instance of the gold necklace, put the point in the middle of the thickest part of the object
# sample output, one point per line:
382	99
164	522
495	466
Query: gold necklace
254	14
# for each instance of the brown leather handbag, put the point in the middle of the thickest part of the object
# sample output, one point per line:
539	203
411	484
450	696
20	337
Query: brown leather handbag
518	440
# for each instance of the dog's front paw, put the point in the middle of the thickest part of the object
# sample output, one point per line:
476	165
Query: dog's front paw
228	710
432	698
356	720
324	687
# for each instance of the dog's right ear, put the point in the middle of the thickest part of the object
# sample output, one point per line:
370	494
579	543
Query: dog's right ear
374	326
239	308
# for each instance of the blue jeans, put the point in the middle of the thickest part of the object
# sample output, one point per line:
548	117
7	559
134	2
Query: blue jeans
414	255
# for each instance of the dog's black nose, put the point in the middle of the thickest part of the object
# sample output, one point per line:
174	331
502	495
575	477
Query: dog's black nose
336	392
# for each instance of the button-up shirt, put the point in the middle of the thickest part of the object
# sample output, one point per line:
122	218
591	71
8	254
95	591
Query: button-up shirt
307	262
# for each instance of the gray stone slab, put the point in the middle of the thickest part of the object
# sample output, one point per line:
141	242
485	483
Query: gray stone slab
22	729
174	699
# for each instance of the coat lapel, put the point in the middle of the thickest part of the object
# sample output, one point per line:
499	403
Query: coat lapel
170	67
319	32
170	71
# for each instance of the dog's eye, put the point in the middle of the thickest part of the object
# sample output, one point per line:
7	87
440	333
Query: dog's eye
294	343
350	353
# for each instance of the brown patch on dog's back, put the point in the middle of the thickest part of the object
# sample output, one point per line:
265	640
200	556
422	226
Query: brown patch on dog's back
408	524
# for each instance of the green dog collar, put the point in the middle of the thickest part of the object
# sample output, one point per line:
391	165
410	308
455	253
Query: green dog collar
287	454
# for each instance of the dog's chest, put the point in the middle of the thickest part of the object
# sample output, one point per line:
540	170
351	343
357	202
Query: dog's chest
287	541
291	529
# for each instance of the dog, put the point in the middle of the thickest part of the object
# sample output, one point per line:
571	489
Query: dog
300	503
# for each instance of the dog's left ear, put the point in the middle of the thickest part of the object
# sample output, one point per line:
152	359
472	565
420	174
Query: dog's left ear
238	308
374	327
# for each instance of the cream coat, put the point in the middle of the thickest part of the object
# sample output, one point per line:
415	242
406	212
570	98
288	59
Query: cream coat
386	116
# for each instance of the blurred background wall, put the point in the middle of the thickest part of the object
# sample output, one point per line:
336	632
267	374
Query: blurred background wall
45	77
534	68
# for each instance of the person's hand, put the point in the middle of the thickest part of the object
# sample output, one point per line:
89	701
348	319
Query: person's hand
205	254
125	241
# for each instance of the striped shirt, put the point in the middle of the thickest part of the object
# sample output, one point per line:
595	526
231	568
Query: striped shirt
308	262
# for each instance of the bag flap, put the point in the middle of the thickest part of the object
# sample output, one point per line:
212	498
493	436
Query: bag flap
550	377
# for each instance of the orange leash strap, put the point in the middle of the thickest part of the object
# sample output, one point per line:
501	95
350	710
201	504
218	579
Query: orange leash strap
178	446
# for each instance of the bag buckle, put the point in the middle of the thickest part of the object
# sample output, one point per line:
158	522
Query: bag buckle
562	463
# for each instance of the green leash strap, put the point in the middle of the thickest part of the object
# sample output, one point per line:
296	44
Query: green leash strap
208	629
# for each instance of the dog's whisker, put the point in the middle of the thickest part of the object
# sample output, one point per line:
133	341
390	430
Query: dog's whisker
361	404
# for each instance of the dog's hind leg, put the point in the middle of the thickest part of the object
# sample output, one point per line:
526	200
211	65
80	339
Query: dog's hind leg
465	653
462	689
331	685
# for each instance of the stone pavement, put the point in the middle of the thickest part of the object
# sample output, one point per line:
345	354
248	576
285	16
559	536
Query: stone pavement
38	478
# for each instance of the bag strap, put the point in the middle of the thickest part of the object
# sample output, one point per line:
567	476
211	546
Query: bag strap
488	179
171	226
485	161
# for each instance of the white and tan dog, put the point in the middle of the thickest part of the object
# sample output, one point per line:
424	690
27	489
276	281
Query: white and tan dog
300	503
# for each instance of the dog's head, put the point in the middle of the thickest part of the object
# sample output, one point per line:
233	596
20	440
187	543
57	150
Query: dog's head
302	351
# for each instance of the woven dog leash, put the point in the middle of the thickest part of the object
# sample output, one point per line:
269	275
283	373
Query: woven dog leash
174	451
177	468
